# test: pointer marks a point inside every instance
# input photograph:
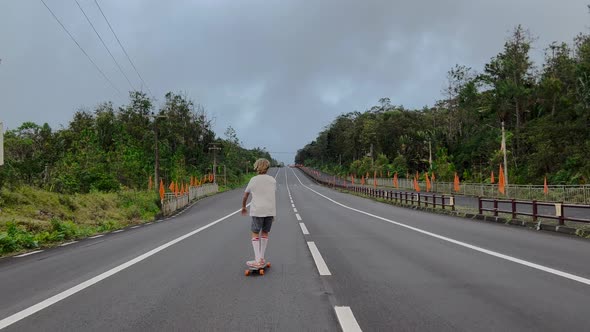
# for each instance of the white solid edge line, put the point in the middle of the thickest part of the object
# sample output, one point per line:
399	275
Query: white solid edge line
119	231
67	243
346	319
318	259
96	236
463	244
298	216
29	253
69	292
134	227
303	228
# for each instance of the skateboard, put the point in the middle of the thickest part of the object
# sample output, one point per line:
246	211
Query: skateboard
252	270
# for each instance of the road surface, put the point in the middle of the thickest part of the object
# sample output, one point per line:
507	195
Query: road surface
339	262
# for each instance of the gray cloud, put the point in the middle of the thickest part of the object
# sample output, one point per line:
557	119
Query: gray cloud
277	71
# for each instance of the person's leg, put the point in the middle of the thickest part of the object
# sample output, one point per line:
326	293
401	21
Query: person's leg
256	227
264	237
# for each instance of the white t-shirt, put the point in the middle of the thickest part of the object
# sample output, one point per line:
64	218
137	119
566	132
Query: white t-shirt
262	188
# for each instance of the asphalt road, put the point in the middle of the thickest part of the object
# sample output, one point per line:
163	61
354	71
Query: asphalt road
377	267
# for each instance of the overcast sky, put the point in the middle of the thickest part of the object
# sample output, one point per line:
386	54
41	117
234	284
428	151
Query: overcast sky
277	71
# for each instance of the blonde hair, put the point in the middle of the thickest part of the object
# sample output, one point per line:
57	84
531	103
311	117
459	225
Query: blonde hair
261	165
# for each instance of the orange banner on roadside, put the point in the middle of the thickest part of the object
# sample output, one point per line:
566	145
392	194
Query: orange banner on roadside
162	190
545	187
501	181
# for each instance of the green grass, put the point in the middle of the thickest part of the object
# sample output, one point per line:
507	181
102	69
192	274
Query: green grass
32	218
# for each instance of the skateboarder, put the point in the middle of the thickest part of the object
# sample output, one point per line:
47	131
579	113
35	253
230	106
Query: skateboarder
263	209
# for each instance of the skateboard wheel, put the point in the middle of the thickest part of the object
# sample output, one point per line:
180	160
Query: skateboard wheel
261	272
247	272
268	264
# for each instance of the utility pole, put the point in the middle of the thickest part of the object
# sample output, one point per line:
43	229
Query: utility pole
214	148
430	154
505	160
372	159
156	151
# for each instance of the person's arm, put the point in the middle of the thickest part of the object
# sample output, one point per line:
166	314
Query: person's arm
244	201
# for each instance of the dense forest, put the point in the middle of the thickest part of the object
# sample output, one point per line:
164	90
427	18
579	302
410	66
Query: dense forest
108	149
545	109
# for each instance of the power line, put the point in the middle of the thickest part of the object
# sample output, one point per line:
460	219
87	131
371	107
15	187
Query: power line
105	45
74	40
123	48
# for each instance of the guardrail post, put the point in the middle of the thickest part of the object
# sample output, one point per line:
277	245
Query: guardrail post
418	199
443	201
534	210
434	200
559	212
452	202
495	208
513	208
479	205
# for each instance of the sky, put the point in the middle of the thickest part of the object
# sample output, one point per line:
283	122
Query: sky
277	71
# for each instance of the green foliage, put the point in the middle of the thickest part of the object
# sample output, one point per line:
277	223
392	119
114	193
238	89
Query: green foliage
546	115
109	149
32	217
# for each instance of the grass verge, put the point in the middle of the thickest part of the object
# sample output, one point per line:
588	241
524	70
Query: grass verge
31	218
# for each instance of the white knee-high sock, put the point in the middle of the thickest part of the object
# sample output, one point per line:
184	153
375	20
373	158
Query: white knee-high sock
263	243
256	246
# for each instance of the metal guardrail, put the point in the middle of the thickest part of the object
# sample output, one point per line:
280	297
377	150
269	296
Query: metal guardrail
560	209
172	202
404	197
556	193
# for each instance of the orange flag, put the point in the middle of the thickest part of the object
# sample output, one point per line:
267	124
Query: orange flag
211	179
428	186
150	184
417	176
395	184
416	186
162	190
501	181
433	178
545	188
375	179
492	180
171	187
457	188
176	189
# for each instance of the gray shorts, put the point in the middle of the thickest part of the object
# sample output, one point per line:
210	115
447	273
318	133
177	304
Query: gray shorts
261	224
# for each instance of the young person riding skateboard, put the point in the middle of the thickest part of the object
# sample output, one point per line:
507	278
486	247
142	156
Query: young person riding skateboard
263	209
